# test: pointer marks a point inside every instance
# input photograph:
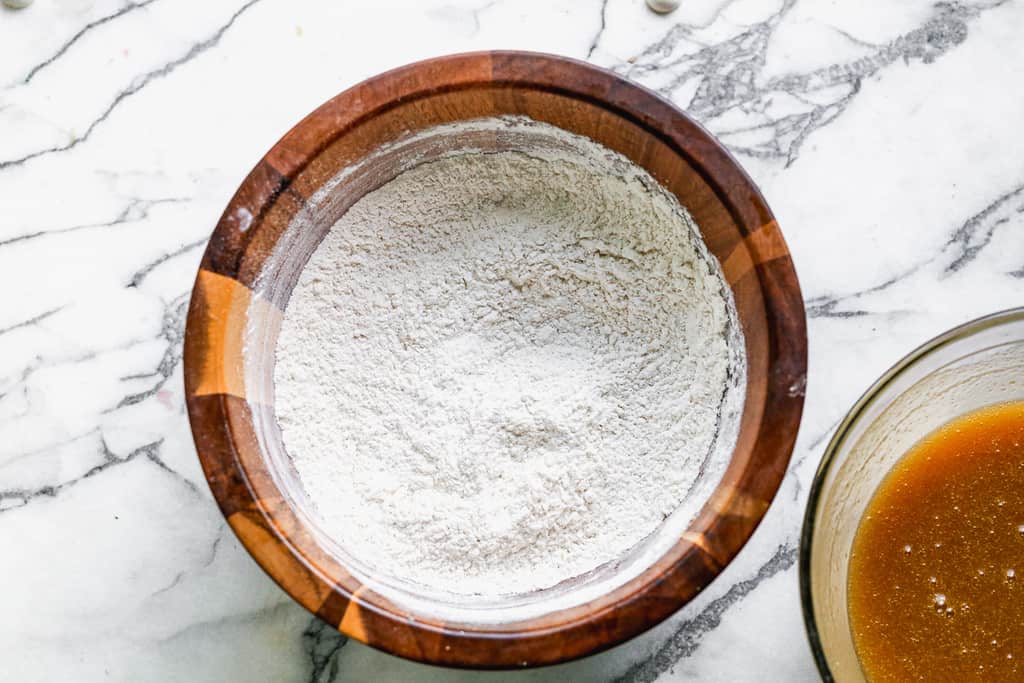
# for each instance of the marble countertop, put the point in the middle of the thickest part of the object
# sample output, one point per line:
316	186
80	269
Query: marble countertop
886	139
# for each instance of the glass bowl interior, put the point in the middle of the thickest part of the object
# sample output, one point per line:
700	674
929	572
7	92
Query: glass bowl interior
275	284
970	367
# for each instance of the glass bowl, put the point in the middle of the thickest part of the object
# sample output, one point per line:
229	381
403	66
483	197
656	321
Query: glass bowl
969	367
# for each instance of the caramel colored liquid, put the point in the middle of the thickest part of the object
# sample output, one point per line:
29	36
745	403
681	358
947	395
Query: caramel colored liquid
936	570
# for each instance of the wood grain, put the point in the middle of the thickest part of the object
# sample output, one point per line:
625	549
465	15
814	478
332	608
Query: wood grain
254	254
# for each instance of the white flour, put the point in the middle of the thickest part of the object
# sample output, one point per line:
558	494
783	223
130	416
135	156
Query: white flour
500	371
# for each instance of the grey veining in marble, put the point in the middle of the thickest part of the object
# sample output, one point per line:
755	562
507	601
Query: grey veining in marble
885	136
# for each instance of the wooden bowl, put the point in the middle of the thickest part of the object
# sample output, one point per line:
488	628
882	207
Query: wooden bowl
253	260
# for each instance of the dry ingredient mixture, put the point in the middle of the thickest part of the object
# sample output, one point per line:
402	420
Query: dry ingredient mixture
500	371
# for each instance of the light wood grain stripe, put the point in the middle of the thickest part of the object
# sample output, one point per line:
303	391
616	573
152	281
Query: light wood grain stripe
352	621
741	504
699	540
763	245
227	306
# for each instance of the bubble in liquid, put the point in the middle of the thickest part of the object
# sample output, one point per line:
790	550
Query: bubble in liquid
1010	574
932	579
907	549
940	600
1020	529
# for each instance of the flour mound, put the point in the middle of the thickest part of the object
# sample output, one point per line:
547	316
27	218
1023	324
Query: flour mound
500	371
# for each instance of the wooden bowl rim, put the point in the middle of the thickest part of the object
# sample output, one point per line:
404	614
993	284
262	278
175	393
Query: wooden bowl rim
644	600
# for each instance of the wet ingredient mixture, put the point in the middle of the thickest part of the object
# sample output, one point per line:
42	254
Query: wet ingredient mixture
935	589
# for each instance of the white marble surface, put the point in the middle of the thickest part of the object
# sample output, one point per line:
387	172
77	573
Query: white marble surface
886	136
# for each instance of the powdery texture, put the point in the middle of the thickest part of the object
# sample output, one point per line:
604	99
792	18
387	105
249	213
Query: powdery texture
499	371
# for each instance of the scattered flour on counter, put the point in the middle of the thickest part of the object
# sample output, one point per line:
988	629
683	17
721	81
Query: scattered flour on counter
499	371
